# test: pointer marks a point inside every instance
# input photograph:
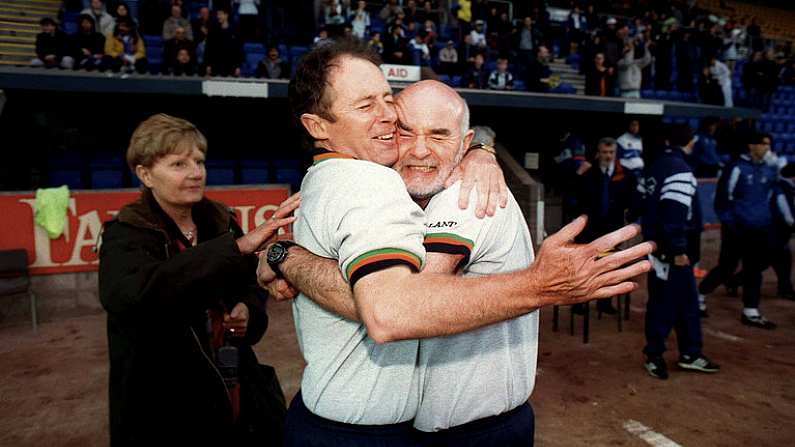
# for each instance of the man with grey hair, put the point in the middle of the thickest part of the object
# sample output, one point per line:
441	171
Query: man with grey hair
605	196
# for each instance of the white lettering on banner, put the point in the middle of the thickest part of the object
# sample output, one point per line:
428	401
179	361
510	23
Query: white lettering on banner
86	236
401	73
244	212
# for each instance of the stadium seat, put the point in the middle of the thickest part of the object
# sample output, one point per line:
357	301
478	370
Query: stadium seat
455	81
254	172
295	54
288	171
220	172
778	146
779	127
519	85
675	95
250	67
106	172
252	47
693	123
766	127
65	169
648	94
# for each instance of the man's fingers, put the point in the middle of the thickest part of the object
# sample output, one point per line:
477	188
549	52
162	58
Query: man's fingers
494	195
454	177
612	240
463	197
288	206
503	192
483	200
616	290
569	232
615	260
625	274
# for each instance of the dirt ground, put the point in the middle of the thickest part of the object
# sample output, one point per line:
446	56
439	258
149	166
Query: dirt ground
54	385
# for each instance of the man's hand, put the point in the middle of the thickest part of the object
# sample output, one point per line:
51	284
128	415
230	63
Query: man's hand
259	237
584	167
278	288
681	260
480	168
237	320
567	273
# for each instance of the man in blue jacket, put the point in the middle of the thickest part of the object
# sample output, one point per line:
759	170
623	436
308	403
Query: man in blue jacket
672	219
749	189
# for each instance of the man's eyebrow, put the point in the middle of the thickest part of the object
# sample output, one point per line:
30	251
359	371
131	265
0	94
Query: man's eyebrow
402	126
365	98
441	131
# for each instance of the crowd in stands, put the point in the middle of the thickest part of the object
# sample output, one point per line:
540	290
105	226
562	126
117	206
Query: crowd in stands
665	50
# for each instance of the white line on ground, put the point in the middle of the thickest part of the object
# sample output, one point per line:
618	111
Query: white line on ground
721	334
646	434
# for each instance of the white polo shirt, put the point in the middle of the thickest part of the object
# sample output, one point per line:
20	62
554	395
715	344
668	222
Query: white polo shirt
359	213
490	370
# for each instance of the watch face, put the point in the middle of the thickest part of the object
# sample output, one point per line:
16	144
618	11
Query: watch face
276	253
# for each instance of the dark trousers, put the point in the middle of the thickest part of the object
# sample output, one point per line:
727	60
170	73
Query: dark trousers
754	246
305	429
514	428
727	262
779	257
673	304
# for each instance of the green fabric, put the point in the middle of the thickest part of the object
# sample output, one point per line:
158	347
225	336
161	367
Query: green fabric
50	209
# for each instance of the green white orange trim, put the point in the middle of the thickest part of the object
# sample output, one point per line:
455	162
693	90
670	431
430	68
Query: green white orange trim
379	259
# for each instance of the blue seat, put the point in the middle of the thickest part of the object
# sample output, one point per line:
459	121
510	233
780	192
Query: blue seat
295	54
250	67
252	47
254	172
519	85
790	148
675	95
455	81
766	127
69	177
778	146
663	95
693	123
220	172
779	127
647	94
154	56
106	179
444	78
668	119
151	40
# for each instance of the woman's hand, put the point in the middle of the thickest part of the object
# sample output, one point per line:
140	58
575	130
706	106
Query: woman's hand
266	233
236	321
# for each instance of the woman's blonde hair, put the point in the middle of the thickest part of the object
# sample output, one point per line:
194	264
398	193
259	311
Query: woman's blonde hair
160	135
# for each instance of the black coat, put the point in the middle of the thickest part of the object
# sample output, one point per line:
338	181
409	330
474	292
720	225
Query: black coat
621	189
164	387
47	44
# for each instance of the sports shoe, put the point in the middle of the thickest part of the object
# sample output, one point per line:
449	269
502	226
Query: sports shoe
757	321
656	367
700	363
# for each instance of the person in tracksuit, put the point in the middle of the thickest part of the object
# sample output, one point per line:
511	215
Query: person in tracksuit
749	190
783	224
672	219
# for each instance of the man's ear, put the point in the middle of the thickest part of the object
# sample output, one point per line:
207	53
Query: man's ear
315	125
468	138
144	175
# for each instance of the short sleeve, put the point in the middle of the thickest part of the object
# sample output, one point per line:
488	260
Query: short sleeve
378	226
454	231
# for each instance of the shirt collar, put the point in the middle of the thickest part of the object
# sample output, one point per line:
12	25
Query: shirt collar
320	155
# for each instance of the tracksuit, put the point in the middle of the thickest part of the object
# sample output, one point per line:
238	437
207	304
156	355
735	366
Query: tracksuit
672	219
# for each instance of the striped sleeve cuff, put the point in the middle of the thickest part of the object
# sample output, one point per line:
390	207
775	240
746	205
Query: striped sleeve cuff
380	259
449	243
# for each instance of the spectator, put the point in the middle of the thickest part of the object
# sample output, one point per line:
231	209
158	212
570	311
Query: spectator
429	13
477	37
390	11
395	48
476	76
104	22
749	189
333	18
630	68
630	149
672	219
172	47
538	72
464	15
721	73
706	161
376	44
248	16
709	88
787	75
321	38
124	49
360	20
201	26
122	10
176	21
272	66
448	59
428	32
184	64
501	78
223	52
605	196
599	79
528	38
421	55
411	12
731	43
577	27
783	225
87	45
51	46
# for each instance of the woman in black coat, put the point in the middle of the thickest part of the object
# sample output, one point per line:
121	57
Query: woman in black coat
177	279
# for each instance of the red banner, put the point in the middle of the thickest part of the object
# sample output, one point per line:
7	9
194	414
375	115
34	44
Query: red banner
74	250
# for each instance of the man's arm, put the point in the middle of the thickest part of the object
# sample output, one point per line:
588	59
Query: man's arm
395	304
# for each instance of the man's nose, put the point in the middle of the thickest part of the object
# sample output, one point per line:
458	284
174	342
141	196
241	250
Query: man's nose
420	148
388	114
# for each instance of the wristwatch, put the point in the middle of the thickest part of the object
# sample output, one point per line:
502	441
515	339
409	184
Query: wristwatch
277	253
483	147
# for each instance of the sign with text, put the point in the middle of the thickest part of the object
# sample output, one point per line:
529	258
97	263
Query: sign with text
73	251
401	73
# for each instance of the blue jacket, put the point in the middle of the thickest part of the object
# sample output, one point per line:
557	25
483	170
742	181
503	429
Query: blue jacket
705	152
749	190
672	211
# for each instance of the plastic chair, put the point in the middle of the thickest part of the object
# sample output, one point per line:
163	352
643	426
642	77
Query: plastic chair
15	279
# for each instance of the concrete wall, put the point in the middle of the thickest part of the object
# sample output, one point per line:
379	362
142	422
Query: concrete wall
58	296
